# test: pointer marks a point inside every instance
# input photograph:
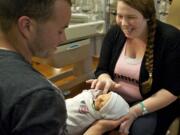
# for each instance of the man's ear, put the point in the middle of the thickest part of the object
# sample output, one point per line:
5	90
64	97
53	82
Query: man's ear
25	26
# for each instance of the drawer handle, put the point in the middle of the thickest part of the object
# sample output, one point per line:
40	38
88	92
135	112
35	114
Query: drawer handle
72	47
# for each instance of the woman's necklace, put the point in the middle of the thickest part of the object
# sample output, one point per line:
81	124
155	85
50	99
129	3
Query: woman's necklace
132	61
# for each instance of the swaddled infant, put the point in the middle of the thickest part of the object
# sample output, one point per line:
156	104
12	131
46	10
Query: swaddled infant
89	106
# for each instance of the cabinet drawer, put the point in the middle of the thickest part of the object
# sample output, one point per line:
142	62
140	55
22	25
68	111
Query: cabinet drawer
71	53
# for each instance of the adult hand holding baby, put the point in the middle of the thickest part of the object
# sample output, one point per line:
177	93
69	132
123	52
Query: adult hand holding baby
126	121
102	126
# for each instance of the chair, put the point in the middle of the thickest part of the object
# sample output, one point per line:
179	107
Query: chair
174	129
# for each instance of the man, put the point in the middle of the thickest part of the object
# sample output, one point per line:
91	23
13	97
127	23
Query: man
30	104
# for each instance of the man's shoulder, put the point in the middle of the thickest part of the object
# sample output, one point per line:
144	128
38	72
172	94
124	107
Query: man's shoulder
19	79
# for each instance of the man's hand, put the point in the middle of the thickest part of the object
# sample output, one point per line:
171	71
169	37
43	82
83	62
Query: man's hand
102	126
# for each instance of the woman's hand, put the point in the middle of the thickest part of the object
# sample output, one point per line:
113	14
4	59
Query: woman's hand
126	122
103	82
102	126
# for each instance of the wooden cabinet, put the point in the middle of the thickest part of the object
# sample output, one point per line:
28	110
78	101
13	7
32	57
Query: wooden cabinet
69	68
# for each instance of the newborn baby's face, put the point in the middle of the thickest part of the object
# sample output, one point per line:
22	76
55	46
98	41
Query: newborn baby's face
101	100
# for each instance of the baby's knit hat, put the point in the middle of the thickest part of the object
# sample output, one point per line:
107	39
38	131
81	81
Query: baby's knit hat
115	107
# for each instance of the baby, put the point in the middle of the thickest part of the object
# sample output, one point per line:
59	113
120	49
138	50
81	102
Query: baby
87	107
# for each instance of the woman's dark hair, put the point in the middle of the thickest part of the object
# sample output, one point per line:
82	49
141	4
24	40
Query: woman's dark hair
147	9
11	10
